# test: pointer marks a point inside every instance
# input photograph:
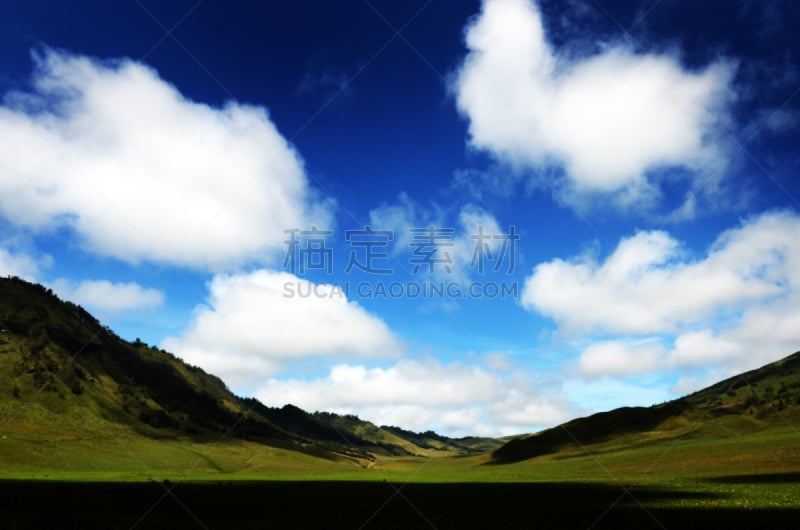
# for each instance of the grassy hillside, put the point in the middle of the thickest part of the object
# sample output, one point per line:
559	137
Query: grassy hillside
108	429
72	390
755	401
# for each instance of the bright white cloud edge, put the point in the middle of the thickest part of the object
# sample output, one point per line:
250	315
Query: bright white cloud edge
107	296
455	399
652	306
139	172
255	322
609	119
18	264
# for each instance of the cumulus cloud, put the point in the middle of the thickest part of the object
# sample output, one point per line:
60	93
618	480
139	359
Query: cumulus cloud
734	308
140	172
521	409
649	284
106	296
695	348
18	264
763	333
620	358
457	399
609	119
253	322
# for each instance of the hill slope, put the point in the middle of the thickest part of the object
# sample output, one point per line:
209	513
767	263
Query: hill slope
67	377
753	401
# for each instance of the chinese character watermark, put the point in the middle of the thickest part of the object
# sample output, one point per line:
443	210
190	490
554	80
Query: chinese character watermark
307	250
432	249
483	249
427	246
375	244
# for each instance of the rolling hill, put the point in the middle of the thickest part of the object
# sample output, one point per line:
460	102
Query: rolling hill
758	400
96	431
74	395
72	389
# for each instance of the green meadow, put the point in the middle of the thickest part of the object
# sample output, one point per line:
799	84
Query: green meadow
127	436
741	482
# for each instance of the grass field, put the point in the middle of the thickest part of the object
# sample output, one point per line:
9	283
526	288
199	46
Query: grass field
76	453
725	482
73	469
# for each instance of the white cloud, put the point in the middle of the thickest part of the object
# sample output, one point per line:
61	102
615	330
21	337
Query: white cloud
254	322
763	333
103	295
766	249
409	383
140	172
608	119
652	307
497	360
18	264
620	358
695	348
521	410
456	399
649	285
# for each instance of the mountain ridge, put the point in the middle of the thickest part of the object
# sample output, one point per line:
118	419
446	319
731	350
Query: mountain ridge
60	362
755	400
68	377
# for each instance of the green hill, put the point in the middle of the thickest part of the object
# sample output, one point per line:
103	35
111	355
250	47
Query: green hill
73	391
108	428
755	401
75	396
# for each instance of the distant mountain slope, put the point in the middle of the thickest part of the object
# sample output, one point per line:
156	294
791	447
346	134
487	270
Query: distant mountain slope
325	427
54	350
756	400
65	375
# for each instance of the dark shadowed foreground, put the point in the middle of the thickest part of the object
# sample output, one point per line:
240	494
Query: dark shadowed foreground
293	505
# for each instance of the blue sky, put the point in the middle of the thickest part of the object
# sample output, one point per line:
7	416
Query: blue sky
153	158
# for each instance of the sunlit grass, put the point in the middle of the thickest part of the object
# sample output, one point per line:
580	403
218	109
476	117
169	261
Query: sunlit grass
759	470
